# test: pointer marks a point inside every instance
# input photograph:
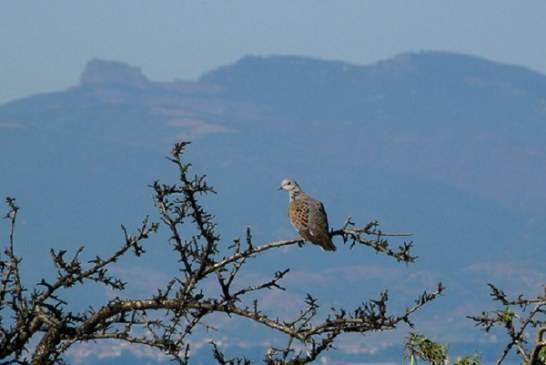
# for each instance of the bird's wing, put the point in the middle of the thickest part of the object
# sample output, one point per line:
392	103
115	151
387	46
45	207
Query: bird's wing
318	225
318	220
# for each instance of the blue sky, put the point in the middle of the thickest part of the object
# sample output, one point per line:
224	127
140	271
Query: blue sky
45	45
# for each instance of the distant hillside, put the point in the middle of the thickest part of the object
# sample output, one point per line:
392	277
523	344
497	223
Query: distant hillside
479	125
455	85
447	146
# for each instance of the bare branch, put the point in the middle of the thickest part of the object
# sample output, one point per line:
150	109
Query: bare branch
379	244
516	316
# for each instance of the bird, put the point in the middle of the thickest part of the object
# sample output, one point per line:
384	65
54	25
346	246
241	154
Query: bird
308	216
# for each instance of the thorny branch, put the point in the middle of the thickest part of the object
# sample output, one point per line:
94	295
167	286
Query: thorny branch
517	316
39	326
377	242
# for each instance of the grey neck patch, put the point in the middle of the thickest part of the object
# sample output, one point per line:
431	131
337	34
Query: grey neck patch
294	194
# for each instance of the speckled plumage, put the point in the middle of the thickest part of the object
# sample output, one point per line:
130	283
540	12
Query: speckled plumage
308	216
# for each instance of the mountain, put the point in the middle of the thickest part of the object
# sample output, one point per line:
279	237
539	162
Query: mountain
447	146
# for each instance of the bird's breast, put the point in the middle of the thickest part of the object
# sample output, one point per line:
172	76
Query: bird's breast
298	212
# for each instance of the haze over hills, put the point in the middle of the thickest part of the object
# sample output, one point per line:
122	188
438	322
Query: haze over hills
447	146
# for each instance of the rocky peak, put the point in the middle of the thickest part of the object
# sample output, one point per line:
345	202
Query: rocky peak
101	72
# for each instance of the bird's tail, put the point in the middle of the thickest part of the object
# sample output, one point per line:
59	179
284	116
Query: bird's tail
327	244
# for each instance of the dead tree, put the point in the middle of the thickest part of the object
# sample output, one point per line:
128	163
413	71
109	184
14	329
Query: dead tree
37	325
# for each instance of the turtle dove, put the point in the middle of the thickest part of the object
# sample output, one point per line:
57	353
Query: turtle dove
308	216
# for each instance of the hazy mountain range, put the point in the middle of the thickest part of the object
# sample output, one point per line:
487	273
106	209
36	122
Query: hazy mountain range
447	146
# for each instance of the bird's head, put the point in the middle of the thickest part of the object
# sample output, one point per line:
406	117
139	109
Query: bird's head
289	185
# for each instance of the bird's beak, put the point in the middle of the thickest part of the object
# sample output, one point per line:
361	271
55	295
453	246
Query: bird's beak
280	188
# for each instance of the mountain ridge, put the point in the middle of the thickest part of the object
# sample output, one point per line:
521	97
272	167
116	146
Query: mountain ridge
449	147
